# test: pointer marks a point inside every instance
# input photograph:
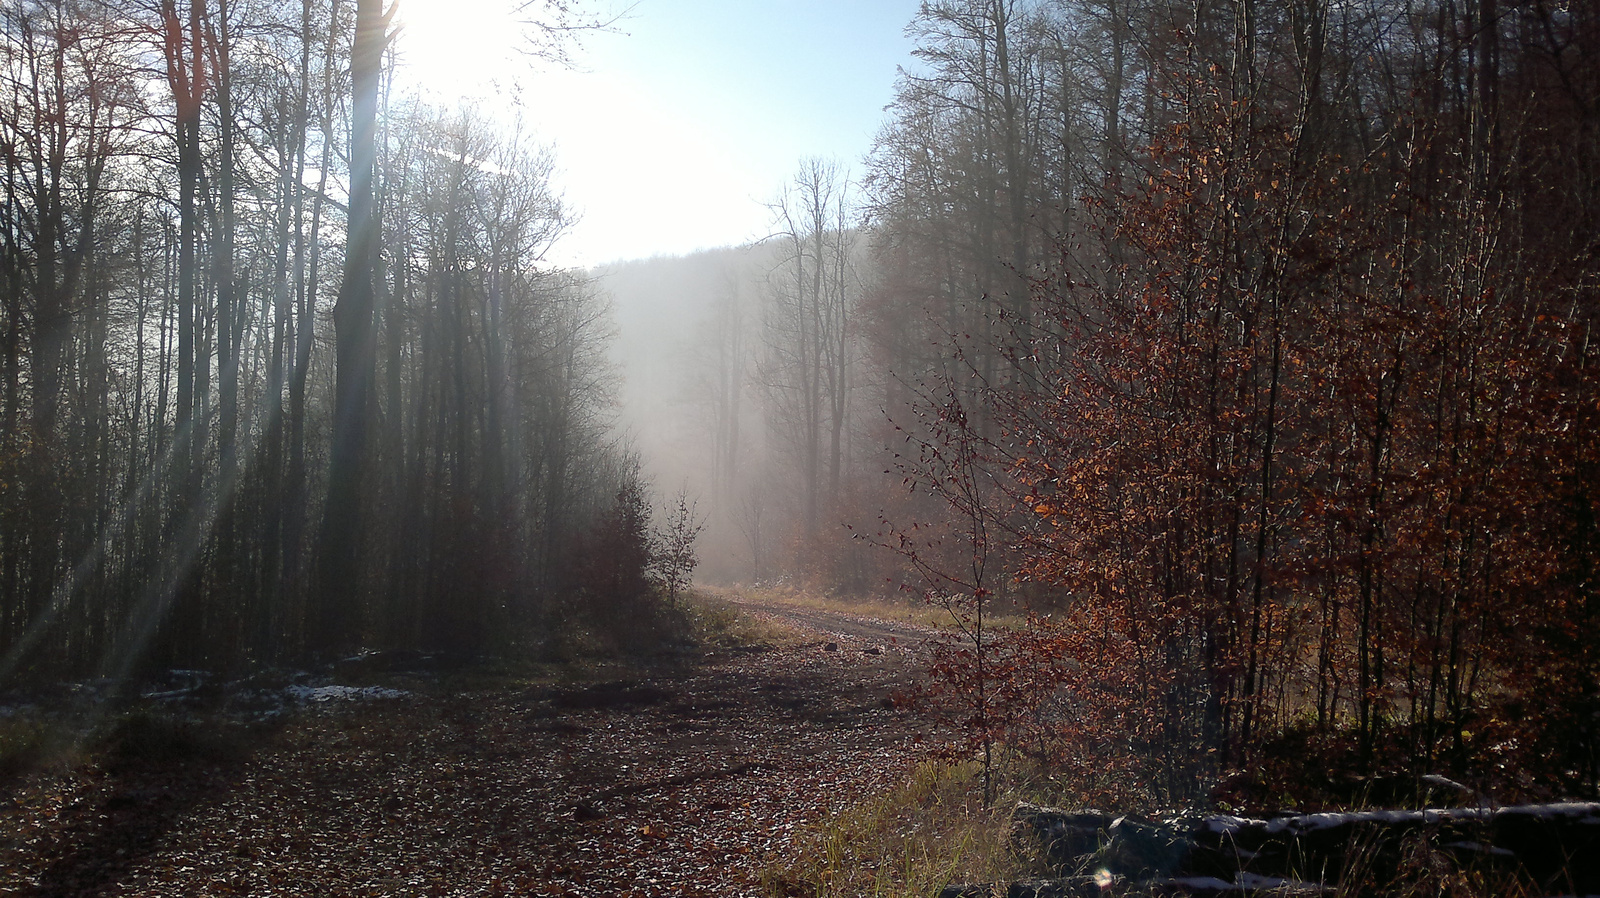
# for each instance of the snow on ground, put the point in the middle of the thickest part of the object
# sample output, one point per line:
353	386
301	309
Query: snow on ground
341	693
1587	813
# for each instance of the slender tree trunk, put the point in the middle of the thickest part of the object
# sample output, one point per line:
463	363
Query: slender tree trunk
308	272
186	76
231	317
185	60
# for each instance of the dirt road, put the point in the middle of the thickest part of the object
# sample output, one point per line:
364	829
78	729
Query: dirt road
849	631
676	780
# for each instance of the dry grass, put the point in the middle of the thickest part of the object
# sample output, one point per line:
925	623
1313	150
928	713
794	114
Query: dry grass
933	830
908	610
911	841
713	622
1425	870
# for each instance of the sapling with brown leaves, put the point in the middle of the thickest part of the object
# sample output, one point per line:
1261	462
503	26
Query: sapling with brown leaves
675	556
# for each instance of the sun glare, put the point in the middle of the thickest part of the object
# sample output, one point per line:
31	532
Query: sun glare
451	50
668	138
645	168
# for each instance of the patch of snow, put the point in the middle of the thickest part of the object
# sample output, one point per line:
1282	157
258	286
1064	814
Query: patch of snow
180	682
169	694
1586	809
342	693
1248	882
1445	782
1203	882
1315	821
1253	881
1480	847
1587	813
1226	824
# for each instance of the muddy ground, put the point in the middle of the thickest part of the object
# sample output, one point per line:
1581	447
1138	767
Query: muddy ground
681	778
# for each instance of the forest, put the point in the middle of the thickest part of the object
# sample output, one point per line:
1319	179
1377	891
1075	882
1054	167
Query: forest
1273	383
234	433
1244	351
1246	348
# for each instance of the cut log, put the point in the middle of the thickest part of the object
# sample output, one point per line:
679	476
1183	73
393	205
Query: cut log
1556	846
1063	839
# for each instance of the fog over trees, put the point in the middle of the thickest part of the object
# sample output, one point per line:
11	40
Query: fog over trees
1248	346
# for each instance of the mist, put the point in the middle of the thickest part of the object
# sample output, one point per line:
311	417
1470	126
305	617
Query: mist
1111	404
702	399
665	309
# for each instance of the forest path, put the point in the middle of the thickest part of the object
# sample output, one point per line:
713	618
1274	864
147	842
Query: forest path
851	631
671	780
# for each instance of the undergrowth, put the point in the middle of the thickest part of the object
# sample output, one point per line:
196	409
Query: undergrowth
930	830
1424	869
712	622
933	829
145	736
37	742
699	620
27	744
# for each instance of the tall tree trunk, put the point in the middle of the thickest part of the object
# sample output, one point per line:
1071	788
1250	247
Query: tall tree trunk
186	77
308	273
230	335
343	523
185	70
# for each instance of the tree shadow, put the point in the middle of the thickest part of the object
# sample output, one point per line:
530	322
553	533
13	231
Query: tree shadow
156	769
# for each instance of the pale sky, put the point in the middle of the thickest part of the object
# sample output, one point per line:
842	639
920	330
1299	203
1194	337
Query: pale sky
672	134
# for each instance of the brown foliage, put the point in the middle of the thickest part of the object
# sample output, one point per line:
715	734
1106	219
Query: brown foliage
1300	440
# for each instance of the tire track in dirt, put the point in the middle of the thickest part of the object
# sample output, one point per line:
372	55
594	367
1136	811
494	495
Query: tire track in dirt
855	631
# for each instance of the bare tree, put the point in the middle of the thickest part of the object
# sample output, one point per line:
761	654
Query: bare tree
675	558
809	331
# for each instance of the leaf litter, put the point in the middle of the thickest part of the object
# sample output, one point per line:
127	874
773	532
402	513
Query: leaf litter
682	780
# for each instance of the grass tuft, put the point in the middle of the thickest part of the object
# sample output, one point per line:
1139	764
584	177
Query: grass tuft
930	830
715	623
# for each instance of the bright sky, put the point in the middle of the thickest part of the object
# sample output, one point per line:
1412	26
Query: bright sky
673	133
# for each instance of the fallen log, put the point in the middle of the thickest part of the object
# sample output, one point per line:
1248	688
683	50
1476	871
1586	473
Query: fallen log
1553	847
1116	887
1062	838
